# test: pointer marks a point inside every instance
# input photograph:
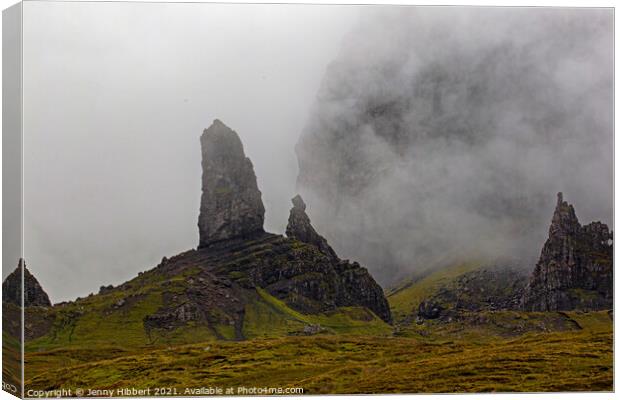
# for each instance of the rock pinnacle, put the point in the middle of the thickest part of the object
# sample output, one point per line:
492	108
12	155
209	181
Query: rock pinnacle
231	205
300	228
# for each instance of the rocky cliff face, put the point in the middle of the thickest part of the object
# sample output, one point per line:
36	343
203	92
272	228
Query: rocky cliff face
231	204
299	274
34	295
309	278
575	269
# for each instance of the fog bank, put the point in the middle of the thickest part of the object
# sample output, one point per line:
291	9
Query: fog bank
444	134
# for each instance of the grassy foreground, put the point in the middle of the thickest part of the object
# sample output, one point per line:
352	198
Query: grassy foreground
576	360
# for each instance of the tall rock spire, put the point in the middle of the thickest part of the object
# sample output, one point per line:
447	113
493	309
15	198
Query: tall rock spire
231	205
575	269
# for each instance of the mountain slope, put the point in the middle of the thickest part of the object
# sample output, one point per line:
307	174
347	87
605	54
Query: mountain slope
240	283
405	299
238	290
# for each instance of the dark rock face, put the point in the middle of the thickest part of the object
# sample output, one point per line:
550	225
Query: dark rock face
233	272
340	283
34	295
575	269
231	204
300	274
300	228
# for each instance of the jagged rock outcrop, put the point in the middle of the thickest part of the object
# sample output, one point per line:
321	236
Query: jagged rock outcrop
231	205
232	214
299	274
341	283
34	295
300	228
575	269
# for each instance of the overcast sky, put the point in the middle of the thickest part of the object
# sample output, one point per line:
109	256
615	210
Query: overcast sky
116	96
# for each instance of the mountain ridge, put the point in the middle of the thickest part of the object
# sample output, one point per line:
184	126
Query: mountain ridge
240	282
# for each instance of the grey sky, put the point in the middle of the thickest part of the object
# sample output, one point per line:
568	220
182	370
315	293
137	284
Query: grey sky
116	96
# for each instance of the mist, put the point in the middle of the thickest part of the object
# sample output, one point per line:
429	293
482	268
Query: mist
116	96
422	135
442	135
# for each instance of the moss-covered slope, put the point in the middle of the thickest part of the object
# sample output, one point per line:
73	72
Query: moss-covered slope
267	286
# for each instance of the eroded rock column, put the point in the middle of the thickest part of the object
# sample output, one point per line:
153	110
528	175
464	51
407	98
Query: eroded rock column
231	205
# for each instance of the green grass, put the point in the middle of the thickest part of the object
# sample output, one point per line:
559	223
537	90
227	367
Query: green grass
96	321
102	324
93	344
487	326
596	321
11	360
344	320
265	319
559	361
99	321
491	351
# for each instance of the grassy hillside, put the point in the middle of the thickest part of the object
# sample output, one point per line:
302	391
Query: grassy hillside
102	341
559	361
351	349
11	362
406	298
199	296
78	340
105	325
271	317
11	347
